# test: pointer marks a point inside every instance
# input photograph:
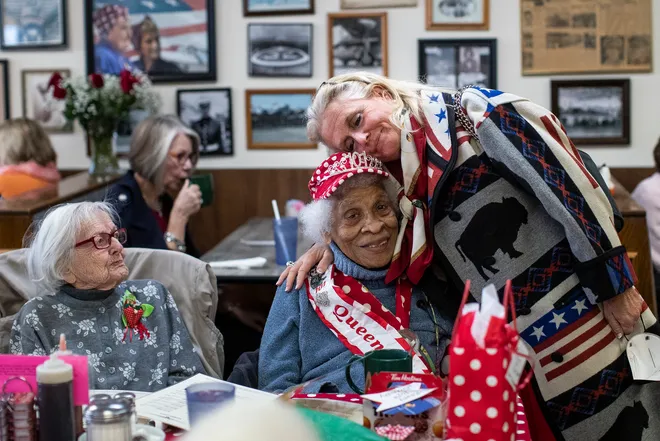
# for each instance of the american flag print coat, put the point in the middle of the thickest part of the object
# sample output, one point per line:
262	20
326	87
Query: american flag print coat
512	199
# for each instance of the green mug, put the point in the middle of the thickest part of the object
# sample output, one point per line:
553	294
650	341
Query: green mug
205	183
384	360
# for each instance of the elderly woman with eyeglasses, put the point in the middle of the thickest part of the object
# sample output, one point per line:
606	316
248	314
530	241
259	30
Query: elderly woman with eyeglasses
154	199
130	330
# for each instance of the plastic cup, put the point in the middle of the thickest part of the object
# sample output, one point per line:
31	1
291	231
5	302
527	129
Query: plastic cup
203	398
286	239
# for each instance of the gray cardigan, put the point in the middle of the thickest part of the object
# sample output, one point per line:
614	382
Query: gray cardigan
92	323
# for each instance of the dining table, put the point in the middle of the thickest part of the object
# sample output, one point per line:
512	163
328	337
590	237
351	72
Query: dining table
251	240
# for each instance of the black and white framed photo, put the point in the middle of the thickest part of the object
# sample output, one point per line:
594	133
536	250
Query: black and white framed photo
593	111
33	24
280	50
4	90
458	63
208	112
367	4
276	118
39	103
277	7
458	15
171	41
358	42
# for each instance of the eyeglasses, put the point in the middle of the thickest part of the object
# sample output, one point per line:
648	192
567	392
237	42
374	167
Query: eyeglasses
102	241
183	157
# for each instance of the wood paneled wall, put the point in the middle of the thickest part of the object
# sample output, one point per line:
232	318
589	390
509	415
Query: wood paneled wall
630	177
242	194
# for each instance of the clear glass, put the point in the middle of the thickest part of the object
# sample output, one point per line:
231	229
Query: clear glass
203	398
104	162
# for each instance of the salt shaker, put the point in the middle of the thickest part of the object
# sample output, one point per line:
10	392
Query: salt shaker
109	420
130	397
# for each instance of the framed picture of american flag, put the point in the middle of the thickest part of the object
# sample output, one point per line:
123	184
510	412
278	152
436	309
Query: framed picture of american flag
171	41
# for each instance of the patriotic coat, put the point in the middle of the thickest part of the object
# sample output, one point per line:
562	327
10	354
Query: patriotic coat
511	199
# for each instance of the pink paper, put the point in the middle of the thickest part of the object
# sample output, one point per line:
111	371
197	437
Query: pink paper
26	366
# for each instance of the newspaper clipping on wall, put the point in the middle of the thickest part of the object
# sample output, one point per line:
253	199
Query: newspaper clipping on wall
577	36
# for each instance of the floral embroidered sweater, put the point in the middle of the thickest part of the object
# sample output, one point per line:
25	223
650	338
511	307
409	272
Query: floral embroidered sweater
92	323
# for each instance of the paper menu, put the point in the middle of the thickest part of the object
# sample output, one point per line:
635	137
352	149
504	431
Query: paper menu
169	406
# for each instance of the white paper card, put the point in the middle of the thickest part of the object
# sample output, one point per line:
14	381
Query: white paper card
396	397
643	352
517	365
169	405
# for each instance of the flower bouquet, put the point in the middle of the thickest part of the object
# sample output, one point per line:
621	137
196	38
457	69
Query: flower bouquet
99	102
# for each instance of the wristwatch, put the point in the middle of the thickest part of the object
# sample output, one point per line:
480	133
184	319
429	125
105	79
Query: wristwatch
170	238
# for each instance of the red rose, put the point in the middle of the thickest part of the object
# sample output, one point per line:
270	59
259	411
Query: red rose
55	80
127	80
96	80
59	93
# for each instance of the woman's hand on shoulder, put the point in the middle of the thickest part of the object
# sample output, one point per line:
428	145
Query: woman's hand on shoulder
319	255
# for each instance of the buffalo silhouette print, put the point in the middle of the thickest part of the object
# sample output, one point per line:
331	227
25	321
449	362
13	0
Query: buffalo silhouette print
629	425
494	227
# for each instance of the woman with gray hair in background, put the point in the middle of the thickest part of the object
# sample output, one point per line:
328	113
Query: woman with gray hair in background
77	259
154	199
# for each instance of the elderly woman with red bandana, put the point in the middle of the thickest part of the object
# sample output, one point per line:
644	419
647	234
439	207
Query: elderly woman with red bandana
350	309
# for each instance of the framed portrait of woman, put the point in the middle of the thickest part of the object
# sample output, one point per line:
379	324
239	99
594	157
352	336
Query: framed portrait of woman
171	41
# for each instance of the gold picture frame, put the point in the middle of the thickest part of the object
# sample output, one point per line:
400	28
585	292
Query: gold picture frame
275	119
439	15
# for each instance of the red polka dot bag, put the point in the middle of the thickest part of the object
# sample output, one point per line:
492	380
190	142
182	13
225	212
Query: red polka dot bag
487	359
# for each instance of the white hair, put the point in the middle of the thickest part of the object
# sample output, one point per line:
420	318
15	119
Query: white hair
151	142
52	245
316	217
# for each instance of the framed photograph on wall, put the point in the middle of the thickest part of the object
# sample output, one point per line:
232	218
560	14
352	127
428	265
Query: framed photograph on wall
458	63
125	128
358	42
208	112
34	24
366	4
171	41
280	50
593	111
39	103
445	15
4	90
276	118
269	7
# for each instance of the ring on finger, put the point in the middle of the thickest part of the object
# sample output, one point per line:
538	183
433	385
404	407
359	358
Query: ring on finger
290	263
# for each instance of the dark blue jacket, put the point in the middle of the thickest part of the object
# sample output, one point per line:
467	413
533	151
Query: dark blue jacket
139	220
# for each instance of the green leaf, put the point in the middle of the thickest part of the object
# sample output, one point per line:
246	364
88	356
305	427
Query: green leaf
123	320
147	308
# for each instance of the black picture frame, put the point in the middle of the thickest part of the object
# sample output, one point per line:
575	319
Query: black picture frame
62	43
268	68
248	12
226	128
599	122
4	88
173	72
450	52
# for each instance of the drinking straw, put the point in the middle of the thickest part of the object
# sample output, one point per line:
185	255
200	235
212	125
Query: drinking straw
276	210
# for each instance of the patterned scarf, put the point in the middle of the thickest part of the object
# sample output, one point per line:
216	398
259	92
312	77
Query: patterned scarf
414	246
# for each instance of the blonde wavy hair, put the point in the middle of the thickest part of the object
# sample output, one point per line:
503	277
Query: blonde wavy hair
361	85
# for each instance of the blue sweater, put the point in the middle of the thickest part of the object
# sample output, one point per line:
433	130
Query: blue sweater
296	346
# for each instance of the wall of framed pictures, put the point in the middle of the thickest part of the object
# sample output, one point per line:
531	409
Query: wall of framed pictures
221	65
